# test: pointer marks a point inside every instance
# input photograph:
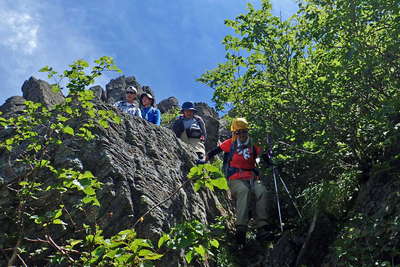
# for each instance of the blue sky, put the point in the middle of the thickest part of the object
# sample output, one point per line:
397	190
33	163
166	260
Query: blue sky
164	44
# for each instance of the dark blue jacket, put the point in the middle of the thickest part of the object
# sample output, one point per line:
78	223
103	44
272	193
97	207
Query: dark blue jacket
152	114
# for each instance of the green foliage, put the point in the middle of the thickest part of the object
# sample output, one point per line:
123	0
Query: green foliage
35	135
324	83
168	117
209	176
197	240
122	249
331	197
366	239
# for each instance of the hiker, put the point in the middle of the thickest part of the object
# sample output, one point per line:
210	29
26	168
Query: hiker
243	179
191	129
129	106
149	111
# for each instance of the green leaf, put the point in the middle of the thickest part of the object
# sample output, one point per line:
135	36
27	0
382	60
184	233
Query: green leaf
45	69
91	199
74	242
200	250
163	239
220	183
86	174
139	242
58	221
104	123
195	171
197	186
55	88
209	185
68	130
189	256
149	255
214	243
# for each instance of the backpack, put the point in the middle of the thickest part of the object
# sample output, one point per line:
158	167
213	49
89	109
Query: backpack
194	131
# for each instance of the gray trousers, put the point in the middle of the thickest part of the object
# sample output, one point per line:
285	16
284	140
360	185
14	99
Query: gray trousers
241	191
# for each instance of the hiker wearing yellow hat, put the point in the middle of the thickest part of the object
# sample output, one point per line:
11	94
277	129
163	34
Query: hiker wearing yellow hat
243	179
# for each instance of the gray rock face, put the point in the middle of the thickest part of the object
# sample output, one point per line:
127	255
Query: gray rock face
168	104
140	165
205	110
210	118
12	105
40	91
115	89
99	92
224	131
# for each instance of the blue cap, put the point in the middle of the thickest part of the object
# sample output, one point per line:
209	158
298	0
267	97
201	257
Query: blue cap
188	106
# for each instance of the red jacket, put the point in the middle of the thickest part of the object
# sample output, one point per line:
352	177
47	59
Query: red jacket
243	158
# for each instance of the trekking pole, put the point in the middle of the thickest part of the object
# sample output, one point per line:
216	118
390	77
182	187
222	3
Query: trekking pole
275	172
290	196
277	198
275	183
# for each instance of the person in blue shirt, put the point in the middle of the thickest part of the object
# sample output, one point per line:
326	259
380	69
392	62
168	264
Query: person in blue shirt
149	111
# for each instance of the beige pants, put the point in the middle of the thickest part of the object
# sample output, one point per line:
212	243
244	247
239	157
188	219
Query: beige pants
195	142
242	190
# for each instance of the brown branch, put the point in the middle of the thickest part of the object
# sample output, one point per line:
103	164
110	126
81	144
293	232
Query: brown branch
23	262
60	249
306	242
14	255
298	149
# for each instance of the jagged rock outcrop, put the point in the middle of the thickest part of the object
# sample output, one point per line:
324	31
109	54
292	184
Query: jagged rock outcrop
115	89
211	121
140	165
40	91
168	104
99	93
224	131
13	104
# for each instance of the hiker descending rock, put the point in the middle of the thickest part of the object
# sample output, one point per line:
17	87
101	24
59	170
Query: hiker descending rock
129	105
240	169
191	129
149	111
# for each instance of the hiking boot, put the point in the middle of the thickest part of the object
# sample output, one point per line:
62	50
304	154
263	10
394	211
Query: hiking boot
240	235
264	233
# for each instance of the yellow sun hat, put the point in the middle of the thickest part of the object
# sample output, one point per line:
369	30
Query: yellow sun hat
239	124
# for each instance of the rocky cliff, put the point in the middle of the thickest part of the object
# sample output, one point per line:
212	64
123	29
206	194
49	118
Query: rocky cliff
139	163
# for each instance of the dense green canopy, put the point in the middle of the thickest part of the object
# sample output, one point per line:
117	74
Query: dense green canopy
324	82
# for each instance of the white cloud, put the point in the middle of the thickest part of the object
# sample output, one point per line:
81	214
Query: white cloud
34	34
18	31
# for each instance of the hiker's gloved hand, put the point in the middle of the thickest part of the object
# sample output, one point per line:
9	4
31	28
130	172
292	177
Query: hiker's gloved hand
200	161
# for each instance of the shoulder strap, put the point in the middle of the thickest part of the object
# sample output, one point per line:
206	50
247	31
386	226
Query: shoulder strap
253	148
231	152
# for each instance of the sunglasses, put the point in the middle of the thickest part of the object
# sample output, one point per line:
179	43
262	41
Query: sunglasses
130	93
241	132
